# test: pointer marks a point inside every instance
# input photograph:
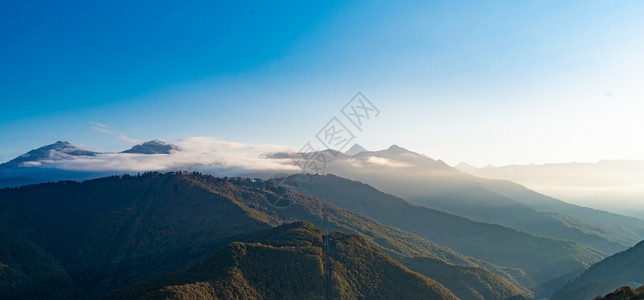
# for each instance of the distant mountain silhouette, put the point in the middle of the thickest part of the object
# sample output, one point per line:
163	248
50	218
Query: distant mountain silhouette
47	163
434	184
288	262
415	177
615	185
153	147
431	184
464	166
355	149
622	269
56	151
60	151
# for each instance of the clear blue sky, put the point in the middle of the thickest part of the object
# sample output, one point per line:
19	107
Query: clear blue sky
479	81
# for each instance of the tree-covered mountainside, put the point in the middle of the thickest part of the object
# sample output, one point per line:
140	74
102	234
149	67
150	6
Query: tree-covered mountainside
622	269
624	293
100	235
28	272
288	262
464	282
549	263
110	232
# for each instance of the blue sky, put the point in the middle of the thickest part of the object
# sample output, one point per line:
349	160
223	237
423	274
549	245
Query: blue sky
497	82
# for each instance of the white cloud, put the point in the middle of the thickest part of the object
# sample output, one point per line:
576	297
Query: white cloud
101	129
118	134
203	154
381	161
99	124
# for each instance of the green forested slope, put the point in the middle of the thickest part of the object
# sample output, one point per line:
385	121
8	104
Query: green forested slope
105	234
287	262
549	263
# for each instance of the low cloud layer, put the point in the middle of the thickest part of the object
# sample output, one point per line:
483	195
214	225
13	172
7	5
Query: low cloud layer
197	153
381	161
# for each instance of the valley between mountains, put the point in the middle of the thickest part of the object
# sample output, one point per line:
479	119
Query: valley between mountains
373	232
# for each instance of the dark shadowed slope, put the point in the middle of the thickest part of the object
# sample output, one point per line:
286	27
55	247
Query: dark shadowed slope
624	268
287	262
398	244
434	184
108	233
549	262
28	272
464	282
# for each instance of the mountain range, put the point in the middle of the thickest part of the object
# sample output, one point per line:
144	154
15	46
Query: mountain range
44	164
85	240
477	238
614	185
547	263
397	171
434	184
54	152
60	151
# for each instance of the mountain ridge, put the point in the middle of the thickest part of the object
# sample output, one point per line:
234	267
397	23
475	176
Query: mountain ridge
624	268
434	184
62	150
457	232
355	149
59	150
249	263
111	232
153	147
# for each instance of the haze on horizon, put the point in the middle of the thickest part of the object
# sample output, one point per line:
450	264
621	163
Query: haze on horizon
614	186
486	83
322	149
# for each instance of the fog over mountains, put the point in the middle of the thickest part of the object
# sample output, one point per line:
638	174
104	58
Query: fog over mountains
153	147
62	160
84	240
420	211
310	150
622	269
55	152
613	185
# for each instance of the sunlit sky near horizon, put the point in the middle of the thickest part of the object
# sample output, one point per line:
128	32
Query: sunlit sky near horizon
485	82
